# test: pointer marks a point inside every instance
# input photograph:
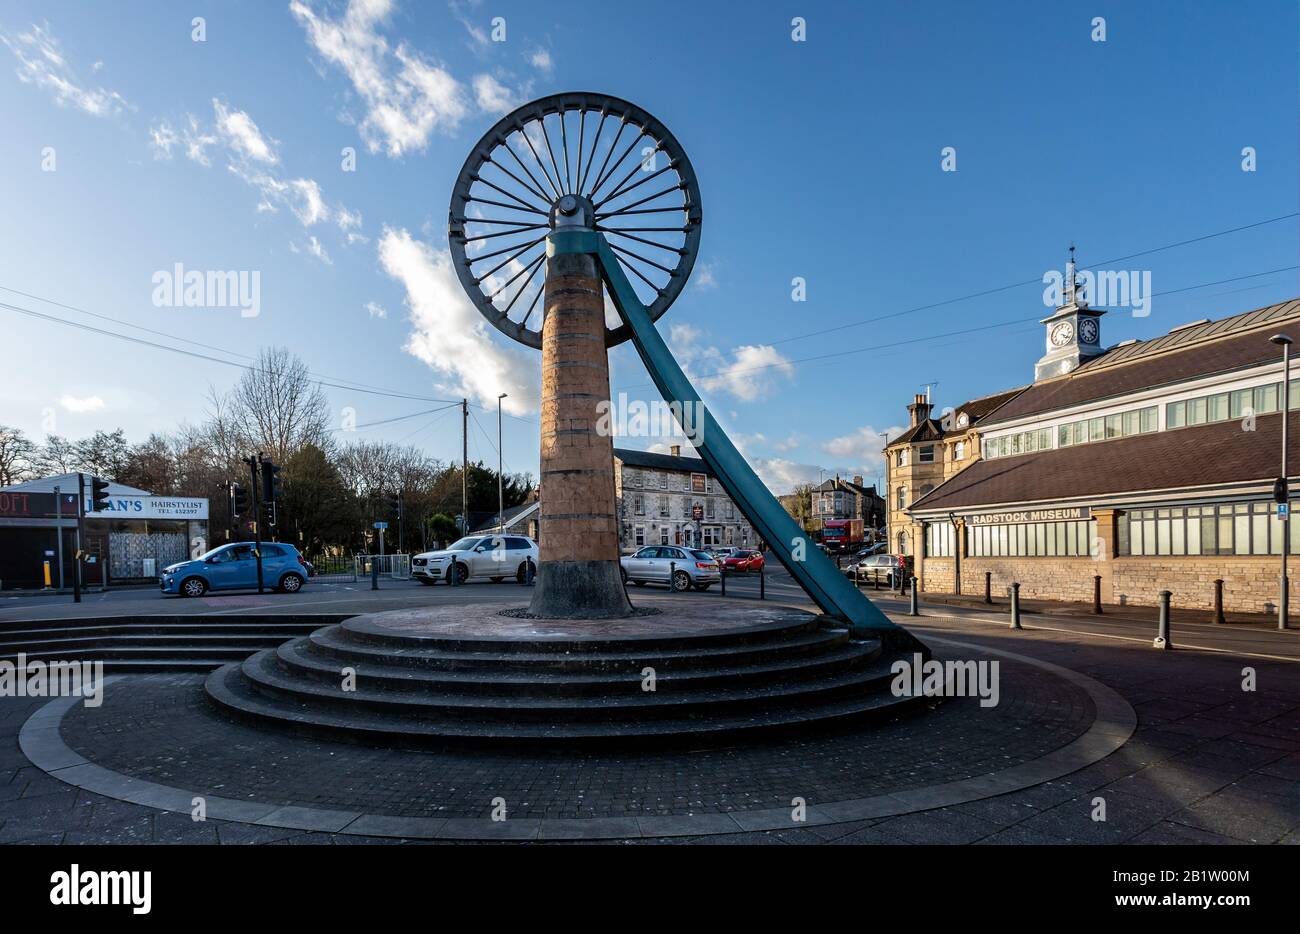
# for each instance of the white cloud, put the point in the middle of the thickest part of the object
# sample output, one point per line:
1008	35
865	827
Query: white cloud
41	63
448	332
314	248
541	60
376	310
752	371
861	449
406	97
493	96
704	278
781	476
302	196
84	404
191	137
242	135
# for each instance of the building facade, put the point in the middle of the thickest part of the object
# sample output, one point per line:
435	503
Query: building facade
841	499
930	452
668	499
130	542
1144	467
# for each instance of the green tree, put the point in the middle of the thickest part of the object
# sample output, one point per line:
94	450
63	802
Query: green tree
318	512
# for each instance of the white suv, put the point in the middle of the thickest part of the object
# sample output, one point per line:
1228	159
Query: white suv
494	557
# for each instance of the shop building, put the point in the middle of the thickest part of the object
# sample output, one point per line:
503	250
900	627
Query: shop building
128	543
668	499
1146	466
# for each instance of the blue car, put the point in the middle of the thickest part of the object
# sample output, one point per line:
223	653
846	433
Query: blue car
234	567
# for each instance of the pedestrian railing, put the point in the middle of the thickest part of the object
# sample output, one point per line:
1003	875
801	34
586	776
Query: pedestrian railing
394	567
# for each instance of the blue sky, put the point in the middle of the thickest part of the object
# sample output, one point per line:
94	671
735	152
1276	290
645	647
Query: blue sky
818	159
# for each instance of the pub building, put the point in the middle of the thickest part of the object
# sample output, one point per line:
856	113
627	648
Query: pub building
1150	464
128	543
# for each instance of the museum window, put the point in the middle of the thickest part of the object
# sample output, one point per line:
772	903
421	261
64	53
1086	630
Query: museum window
925	455
901	497
1069	539
1211	529
940	539
900	457
959	451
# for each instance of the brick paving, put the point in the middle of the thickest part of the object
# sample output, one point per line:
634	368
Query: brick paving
1209	763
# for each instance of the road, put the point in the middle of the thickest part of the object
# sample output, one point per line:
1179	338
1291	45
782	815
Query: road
356	597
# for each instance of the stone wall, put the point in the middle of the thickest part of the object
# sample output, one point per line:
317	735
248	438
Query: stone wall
1250	584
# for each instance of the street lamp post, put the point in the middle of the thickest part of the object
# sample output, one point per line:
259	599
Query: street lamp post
1284	594
501	501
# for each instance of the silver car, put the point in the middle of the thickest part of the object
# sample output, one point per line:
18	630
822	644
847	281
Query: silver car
874	569
675	565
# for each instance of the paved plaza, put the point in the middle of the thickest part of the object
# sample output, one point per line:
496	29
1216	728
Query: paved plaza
1169	742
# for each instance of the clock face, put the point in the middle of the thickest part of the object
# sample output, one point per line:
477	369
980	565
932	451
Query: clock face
1088	331
1062	334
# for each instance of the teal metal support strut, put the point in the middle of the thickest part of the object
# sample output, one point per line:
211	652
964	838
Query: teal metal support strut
809	566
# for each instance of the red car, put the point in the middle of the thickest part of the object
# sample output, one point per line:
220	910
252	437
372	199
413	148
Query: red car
744	561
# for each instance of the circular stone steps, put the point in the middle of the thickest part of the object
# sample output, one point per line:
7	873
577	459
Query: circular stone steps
449	673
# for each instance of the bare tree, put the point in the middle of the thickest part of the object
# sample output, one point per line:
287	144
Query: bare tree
56	455
16	453
276	407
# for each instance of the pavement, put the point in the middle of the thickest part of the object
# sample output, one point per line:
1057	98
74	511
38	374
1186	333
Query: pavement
1215	757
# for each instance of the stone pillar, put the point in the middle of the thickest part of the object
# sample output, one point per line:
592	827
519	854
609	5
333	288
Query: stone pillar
1103	550
578	572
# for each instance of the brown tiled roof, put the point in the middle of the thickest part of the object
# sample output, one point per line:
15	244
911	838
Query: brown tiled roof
660	461
977	409
1213	347
928	430
1165	460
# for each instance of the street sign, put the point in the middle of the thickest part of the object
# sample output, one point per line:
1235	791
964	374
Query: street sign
1283	510
381	525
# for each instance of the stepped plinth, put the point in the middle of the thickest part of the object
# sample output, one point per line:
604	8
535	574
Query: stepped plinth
677	669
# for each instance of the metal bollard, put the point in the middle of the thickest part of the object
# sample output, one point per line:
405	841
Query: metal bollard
762	582
722	579
530	572
374	574
1163	639
453	574
1218	602
1096	593
1015	606
988	586
672	576
913	610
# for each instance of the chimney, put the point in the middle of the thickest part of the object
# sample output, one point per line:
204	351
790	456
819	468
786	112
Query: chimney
919	409
857	481
676	450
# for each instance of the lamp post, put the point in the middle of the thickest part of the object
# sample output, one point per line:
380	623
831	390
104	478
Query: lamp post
501	501
1282	493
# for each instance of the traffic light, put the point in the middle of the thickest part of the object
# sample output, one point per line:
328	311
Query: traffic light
238	501
395	503
272	487
99	495
1280	490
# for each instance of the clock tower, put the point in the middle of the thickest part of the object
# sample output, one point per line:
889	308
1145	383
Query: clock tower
1073	331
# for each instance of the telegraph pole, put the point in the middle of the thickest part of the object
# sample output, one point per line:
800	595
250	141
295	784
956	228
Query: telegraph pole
464	465
501	459
1282	492
81	524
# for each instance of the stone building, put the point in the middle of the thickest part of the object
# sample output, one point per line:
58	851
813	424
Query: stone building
668	499
929	452
837	498
1149	465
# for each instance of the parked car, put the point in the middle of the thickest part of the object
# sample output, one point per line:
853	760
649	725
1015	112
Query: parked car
234	567
477	557
744	561
671	564
722	552
874	568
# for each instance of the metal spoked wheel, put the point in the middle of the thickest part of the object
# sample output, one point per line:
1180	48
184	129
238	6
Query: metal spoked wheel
560	157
